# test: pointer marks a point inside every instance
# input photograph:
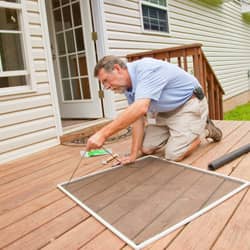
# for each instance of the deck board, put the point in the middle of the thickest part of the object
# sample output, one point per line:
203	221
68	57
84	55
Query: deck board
34	214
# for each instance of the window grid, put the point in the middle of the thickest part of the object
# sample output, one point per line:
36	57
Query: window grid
155	15
72	73
8	74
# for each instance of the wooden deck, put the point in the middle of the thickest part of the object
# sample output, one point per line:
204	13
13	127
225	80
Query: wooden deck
34	214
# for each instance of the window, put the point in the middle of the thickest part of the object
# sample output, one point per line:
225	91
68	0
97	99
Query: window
13	68
155	15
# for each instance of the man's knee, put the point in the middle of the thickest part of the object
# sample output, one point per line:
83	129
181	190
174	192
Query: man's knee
176	152
172	154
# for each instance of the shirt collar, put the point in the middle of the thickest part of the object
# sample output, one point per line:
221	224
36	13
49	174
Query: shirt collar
131	71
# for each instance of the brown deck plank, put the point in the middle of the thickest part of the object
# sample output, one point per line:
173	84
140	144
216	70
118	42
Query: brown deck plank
15	175
70	236
143	174
143	214
102	184
44	184
192	200
36	158
237	231
121	206
104	241
215	220
126	184
49	170
33	221
51	230
78	236
30	207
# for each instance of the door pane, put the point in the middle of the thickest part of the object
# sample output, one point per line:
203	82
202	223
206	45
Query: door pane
60	44
66	90
76	14
58	20
11	56
8	19
56	3
65	1
67	17
79	39
85	88
64	67
83	65
76	89
70	41
73	66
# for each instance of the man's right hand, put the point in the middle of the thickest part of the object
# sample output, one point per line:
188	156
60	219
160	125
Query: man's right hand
95	141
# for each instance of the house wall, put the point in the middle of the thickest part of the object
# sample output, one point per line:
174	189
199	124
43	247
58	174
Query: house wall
27	121
225	37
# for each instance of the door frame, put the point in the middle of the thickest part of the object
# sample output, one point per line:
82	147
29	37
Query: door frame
97	7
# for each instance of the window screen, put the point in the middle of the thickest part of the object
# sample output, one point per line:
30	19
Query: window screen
151	197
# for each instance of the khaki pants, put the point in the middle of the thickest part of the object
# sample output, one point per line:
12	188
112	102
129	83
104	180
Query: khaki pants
177	129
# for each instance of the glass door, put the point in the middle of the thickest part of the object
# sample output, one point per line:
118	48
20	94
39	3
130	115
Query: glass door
75	59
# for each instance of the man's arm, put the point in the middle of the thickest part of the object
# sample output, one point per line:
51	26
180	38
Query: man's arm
135	111
137	139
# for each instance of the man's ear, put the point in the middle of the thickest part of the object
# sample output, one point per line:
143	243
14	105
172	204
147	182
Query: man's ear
117	67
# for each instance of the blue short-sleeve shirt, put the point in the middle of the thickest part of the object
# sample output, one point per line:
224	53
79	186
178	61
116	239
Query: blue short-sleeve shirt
167	85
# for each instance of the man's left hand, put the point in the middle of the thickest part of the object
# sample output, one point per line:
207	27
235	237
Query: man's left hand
127	159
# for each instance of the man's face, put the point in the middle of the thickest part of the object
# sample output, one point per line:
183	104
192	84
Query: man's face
114	80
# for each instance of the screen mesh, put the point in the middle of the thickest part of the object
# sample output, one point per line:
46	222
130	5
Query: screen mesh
149	196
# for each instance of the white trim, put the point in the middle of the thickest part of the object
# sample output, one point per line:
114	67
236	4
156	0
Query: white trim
152	32
102	50
9	5
18	90
157	6
14	73
26	53
172	228
1	64
50	67
28	48
11	31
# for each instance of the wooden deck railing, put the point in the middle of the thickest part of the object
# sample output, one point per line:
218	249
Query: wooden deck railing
192	59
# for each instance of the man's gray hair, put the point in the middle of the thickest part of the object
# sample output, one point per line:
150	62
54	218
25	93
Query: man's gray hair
107	63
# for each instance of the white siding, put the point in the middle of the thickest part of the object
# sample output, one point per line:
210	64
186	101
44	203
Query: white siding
27	121
225	37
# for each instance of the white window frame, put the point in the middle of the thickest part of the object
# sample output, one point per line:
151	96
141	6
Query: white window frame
154	32
30	86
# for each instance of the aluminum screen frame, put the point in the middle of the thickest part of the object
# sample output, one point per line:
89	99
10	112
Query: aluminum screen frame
243	185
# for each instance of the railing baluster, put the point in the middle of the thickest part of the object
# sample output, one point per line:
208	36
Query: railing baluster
185	61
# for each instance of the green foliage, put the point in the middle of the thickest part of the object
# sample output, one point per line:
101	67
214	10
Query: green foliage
246	17
240	113
210	2
213	2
